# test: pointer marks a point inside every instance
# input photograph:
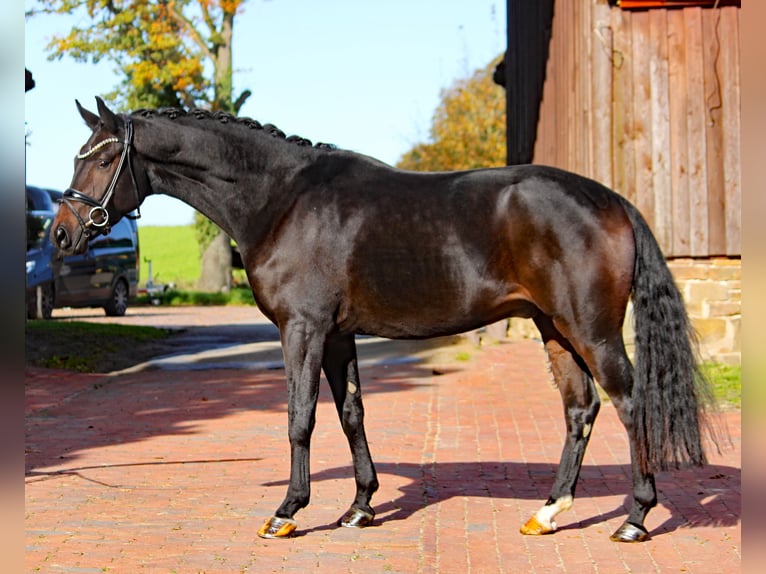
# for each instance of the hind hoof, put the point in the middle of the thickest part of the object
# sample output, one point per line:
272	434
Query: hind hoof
276	527
356	518
535	528
629	533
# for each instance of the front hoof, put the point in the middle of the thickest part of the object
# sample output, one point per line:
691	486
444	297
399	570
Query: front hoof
534	528
276	527
356	518
629	533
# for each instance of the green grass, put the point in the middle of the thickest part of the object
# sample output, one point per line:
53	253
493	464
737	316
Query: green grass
174	253
89	347
726	381
463	356
176	297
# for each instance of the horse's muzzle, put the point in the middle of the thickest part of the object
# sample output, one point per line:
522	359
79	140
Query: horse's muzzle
68	245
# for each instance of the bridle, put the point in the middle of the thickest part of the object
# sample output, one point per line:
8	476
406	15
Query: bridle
98	216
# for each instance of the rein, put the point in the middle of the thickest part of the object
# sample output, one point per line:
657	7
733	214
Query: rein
98	216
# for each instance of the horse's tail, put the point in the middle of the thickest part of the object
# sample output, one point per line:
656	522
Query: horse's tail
670	395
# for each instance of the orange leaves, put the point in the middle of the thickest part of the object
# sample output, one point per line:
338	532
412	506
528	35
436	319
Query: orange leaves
230	6
170	51
155	74
187	74
467	129
225	6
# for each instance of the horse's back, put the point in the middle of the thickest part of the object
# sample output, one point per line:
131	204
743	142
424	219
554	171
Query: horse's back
434	254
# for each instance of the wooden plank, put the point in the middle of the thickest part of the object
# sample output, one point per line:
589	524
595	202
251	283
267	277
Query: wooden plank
730	80
714	133
642	108
623	171
549	98
584	77
601	90
581	102
679	144
548	108
545	150
575	96
695	125
562	75
660	133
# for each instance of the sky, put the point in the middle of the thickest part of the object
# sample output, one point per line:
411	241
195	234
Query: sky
364	75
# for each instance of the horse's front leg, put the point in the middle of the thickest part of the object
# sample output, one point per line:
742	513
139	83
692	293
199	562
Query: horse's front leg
302	347
342	372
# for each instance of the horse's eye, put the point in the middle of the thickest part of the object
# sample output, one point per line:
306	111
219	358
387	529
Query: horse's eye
103	163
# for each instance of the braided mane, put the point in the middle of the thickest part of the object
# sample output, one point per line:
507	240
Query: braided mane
225	118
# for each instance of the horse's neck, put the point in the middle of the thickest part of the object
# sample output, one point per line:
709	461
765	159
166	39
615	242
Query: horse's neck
239	186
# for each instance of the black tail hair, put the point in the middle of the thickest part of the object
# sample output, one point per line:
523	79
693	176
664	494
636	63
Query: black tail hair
671	397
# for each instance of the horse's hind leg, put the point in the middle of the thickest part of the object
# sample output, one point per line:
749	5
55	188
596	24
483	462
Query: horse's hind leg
611	367
342	372
614	373
581	405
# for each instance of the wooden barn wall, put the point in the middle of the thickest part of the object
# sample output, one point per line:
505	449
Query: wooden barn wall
648	103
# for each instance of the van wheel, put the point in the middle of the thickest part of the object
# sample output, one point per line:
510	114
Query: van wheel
118	303
41	304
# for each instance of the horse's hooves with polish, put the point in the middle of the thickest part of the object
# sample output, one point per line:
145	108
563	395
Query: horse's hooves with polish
629	533
533	527
356	518
276	527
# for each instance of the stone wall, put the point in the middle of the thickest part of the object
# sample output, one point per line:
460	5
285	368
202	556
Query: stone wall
712	289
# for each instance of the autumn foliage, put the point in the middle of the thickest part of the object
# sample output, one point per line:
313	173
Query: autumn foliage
467	129
167	52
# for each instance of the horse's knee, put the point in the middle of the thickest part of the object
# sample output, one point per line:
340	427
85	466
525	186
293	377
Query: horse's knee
300	442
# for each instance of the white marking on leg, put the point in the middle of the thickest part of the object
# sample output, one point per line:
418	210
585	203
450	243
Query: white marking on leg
586	430
351	388
548	512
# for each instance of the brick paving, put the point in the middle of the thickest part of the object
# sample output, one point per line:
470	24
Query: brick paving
174	471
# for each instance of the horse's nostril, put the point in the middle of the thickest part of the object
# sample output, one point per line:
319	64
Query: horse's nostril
62	238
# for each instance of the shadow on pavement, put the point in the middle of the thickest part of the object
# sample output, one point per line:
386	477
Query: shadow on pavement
137	406
704	490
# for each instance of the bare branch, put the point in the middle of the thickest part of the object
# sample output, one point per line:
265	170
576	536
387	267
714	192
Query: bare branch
196	37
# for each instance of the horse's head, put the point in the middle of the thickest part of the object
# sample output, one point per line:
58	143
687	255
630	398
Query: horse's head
103	187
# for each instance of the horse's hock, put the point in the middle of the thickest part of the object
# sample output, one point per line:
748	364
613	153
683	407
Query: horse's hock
712	290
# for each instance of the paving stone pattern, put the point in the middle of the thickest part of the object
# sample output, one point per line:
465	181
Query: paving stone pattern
174	471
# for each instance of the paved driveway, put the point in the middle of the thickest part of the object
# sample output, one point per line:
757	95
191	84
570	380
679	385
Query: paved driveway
173	468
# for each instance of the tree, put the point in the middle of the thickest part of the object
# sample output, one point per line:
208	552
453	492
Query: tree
169	53
468	127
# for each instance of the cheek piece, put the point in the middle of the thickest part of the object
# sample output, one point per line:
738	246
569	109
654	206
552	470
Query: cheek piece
98	216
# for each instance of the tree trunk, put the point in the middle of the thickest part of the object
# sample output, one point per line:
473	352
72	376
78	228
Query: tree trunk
215	275
222	64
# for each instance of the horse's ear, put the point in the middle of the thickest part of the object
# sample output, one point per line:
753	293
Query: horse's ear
91	119
107	116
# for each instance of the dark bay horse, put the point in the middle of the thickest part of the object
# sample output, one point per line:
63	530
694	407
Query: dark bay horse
337	244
